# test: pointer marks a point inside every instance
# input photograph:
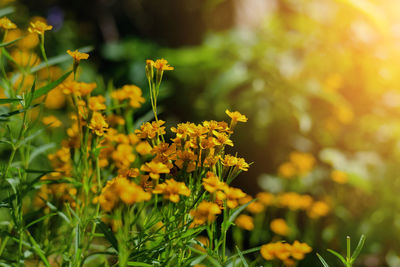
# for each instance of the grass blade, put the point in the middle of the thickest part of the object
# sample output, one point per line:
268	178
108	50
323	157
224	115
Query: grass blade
47	88
358	248
340	257
322	261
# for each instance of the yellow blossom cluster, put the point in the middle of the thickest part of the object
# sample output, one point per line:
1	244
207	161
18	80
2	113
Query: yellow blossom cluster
132	93
285	252
121	189
299	164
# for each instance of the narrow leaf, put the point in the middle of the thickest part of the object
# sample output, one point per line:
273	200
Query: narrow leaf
108	234
322	261
142	264
358	248
11	42
8	100
340	257
47	88
242	258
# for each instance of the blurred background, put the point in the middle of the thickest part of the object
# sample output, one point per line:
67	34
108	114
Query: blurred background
320	77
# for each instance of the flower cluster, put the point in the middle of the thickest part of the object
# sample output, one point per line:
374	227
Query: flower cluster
285	252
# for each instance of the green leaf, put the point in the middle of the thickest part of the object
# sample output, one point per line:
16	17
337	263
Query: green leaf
47	88
245	252
211	259
38	250
358	248
340	257
6	11
322	261
242	258
108	234
6	115
11	42
8	100
237	212
136	263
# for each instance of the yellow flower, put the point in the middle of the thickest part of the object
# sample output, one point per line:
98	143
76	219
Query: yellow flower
77	56
205	212
25	58
304	162
318	209
211	183
96	103
98	124
245	222
294	201
279	226
130	92
287	170
339	177
151	130
222	139
232	196
77	88
123	156
143	148
276	250
171	190
162	64
39	27
236	117
55	123
267	199
6	24
186	159
154	169
299	249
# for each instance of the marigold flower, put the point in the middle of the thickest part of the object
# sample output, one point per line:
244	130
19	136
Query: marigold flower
123	156
143	148
7	24
222	139
299	249
245	222
186	159
232	196
171	190
304	162
339	177
154	169
267	199
98	124
162	64
205	212
236	117
294	201
211	183
151	130
77	56
39	27
318	209
96	103
52	121
276	250
280	227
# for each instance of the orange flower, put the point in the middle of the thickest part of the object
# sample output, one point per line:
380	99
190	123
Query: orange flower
154	169
52	121
39	27
211	183
232	196
236	116
98	124
299	249
77	56
205	212
245	222
6	24
279	226
162	64
96	103
171	190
